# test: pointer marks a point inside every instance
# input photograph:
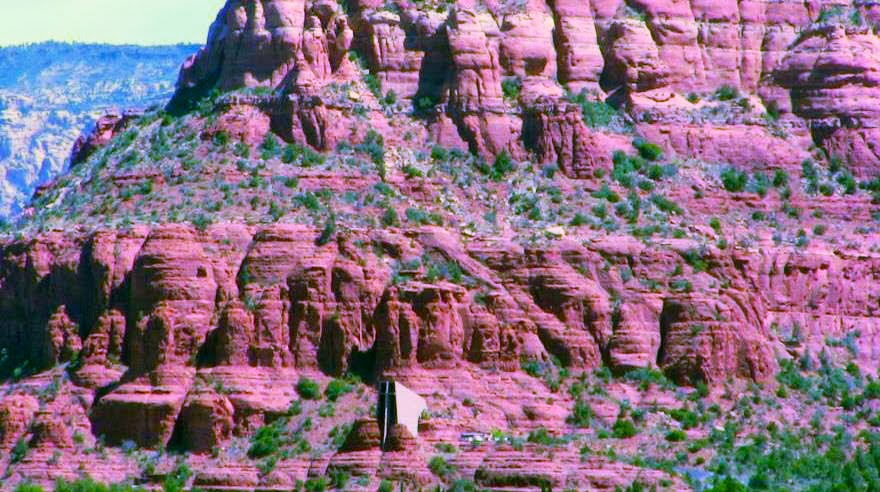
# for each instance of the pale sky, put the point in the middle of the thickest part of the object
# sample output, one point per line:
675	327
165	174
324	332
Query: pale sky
106	21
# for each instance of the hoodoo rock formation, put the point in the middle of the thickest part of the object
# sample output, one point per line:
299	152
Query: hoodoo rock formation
597	237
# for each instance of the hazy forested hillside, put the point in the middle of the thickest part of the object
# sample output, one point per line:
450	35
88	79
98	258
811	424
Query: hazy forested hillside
51	92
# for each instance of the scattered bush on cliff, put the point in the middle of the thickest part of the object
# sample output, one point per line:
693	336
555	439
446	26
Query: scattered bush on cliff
425	104
266	441
666	205
676	436
308	389
581	415
304	153
648	150
19	451
28	487
270	147
374	147
597	114
419	216
440	467
390	218
726	93
501	167
374	85
316	484
202	221
511	87
624	428
337	388
734	180
328	232
339	479
647	377
446	270
829	14
177	479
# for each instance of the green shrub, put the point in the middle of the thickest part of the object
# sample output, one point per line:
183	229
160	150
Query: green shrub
386	486
421	217
780	178
266	441
374	85
308	389
390	217
578	220
694	258
291	153
848	182
339	479
773	112
647	150
242	150
221	138
439	153
502	166
686	417
337	388
374	146
308	200
448	270
655	172
316	484
726	93
582	415
606	193
624	428
666	205
446	447
647	377
412	171
625	167
760	184
295	408
439	467
88	485
676	436
28	487
19	451
596	114
177	479
328	232
511	87
390	98
270	147
734	180
727	484
425	104
543	437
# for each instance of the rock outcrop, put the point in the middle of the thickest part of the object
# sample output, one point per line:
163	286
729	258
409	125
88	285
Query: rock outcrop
832	73
451	67
316	310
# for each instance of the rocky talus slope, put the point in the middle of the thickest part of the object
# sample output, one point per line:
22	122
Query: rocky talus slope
614	245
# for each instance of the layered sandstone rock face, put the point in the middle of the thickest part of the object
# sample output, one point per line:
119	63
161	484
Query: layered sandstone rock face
155	336
290	304
832	72
452	65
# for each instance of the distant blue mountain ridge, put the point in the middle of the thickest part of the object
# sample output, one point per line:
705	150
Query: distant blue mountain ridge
51	92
